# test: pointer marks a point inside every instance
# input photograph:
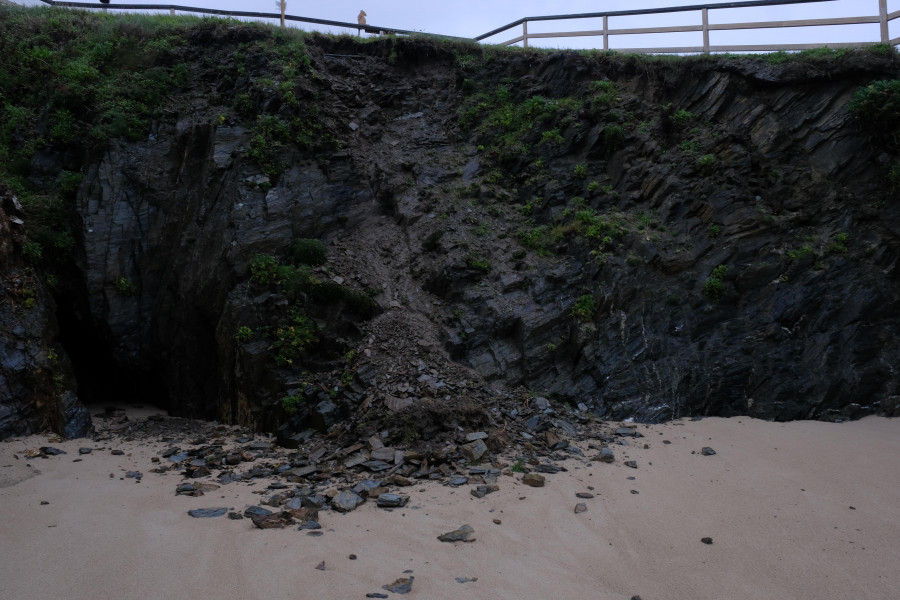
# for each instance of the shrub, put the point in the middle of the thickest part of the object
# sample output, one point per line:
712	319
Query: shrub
477	263
714	288
291	404
877	107
580	171
801	253
552	137
680	117
583	309
125	286
706	162
263	269
307	251
292	340
613	136
32	251
243	334
839	244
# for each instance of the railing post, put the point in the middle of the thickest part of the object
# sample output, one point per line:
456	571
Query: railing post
605	32
171	12
882	13
283	2
705	31
525	33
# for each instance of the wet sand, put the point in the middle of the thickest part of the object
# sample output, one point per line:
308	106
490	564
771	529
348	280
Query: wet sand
802	510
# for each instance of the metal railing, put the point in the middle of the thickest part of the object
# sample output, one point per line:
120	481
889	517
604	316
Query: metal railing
883	19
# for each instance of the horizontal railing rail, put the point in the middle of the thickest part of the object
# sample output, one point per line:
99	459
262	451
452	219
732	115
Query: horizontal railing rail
705	27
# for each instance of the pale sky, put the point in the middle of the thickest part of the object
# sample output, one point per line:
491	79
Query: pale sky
468	18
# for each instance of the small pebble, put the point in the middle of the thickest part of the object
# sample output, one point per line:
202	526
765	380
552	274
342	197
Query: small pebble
706	540
352	557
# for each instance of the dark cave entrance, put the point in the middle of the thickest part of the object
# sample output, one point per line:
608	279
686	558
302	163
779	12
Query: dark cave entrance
102	380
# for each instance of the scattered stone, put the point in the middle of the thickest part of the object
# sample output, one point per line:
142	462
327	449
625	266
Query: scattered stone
321	566
481	491
631	463
580	508
401	481
498	522
707	451
707	540
466	579
50	451
385	454
235	516
44	503
256	511
309	525
376	465
376	595
352	557
584	495
303	471
85	450
474	451
392	501
533	479
170	452
273	521
626	432
635	492
346	501
134	475
207	513
475	436
401	586
314	533
545	468
463	534
458	481
606	455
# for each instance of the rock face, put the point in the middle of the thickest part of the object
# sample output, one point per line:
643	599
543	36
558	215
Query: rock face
420	210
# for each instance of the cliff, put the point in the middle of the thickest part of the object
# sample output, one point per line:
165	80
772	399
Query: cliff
286	231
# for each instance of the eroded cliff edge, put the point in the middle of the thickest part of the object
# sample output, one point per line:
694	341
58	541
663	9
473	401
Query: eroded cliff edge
637	236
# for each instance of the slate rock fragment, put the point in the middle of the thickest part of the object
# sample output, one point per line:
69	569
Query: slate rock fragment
207	513
402	586
392	500
273	521
707	451
346	501
533	479
463	534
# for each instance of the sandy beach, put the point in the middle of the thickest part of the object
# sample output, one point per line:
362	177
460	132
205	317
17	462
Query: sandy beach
802	510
